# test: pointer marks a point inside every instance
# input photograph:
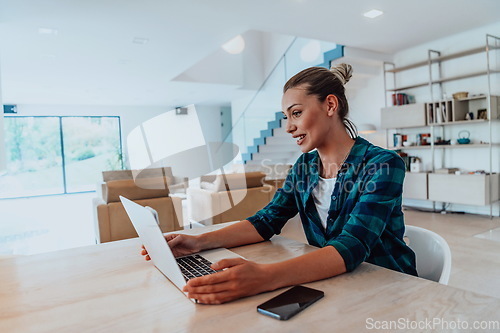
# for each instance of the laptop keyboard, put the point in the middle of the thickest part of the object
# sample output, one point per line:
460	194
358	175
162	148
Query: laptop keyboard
194	266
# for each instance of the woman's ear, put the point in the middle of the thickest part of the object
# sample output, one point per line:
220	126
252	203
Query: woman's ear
332	103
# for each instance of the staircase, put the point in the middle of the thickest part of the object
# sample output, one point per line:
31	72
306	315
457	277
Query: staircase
274	145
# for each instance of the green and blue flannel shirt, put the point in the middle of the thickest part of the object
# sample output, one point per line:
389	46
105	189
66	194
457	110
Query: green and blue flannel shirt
365	219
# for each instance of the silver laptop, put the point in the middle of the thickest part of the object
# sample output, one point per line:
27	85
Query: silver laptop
179	270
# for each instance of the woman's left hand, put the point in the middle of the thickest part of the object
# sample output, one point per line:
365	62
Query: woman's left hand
239	278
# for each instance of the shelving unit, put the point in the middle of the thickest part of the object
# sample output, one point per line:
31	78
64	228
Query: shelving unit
454	111
457	146
441	58
447	79
439	113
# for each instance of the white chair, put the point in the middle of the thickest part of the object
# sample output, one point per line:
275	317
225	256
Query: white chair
432	252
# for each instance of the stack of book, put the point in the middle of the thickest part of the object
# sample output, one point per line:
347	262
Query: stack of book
401	99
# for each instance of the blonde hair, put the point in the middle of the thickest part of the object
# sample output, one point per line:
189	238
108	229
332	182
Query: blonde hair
343	72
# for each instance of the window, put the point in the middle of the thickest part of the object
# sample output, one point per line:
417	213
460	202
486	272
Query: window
56	155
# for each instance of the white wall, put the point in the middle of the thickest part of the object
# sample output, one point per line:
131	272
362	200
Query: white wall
218	62
3	155
246	126
252	66
366	103
210	120
244	70
273	47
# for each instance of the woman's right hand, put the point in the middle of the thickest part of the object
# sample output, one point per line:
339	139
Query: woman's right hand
180	244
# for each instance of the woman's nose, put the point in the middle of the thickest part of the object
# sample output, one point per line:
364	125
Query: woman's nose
290	127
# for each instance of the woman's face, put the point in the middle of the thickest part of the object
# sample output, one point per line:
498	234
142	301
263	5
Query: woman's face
308	120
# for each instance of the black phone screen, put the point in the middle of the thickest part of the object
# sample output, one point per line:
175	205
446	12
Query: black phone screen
290	302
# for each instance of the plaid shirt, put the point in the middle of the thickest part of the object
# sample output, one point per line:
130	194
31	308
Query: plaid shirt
365	221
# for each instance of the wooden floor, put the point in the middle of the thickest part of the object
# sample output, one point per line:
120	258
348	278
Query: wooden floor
475	261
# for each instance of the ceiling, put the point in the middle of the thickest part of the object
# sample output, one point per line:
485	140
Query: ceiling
93	60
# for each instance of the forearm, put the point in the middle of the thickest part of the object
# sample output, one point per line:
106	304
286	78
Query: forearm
237	234
238	277
320	264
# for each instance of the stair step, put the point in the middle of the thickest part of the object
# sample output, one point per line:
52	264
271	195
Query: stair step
269	161
272	155
253	149
259	141
266	133
367	57
277	148
281	140
246	156
361	70
273	124
281	132
278	115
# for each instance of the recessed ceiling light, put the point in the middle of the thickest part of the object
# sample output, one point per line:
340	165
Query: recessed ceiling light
47	31
235	45
140	40
373	13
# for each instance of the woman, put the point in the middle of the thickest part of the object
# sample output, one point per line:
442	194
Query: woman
347	192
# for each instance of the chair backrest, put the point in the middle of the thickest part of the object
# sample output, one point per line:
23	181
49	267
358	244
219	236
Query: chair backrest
272	171
233	181
112	222
432	252
145	173
148	188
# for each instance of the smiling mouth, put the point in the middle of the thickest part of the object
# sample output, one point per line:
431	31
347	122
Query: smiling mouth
300	139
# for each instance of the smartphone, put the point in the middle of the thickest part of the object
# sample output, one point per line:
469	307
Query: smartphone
289	303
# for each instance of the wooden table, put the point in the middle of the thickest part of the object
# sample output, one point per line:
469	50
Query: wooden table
110	288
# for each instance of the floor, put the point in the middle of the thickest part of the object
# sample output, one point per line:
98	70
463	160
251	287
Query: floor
474	241
48	223
36	225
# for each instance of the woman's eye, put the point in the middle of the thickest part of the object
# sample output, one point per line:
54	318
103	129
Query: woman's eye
296	113
285	117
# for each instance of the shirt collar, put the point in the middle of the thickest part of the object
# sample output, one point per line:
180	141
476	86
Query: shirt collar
355	158
358	151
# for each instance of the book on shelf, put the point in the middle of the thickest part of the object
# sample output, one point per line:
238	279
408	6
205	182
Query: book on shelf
402	99
444	115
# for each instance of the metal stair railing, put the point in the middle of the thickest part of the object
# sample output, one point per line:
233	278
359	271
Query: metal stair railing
260	117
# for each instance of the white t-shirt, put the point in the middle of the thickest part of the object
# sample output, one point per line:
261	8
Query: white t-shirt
322	195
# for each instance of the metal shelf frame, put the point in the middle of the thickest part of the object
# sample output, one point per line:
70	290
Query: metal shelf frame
436	80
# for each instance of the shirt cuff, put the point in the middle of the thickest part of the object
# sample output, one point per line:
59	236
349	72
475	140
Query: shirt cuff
262	227
351	250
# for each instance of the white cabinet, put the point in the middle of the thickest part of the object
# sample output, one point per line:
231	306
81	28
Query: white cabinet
415	186
464	189
3	157
409	115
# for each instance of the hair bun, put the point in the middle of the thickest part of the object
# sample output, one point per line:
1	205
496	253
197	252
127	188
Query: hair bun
343	72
